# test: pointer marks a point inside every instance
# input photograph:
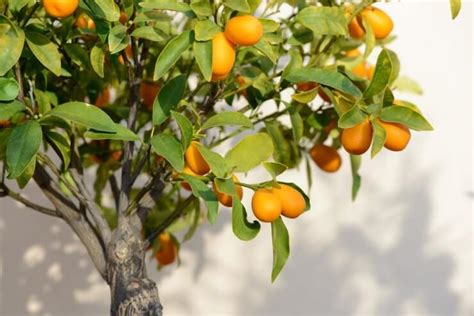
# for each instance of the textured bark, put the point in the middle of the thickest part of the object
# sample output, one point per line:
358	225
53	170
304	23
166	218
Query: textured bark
132	292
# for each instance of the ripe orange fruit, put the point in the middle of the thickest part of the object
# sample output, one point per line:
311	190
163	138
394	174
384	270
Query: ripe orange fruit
379	21
60	8
370	72
128	53
306	86
116	155
326	158
5	123
195	160
148	93
189	171
216	78
123	17
167	252
266	205
85	22
356	140
223	56
292	201
398	135
244	30
103	98
355	29
226	199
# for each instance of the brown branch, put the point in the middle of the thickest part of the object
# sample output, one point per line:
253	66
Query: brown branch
17	197
77	222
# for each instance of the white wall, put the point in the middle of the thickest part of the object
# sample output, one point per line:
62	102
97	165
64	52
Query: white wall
403	248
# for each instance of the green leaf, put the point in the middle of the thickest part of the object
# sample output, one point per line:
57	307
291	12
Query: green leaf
9	89
238	5
170	149
296	62
11	45
172	52
269	25
84	114
201	190
9	109
370	40
4	136
405	84
168	98
45	51
62	145
23	144
325	77
274	168
205	30
323	20
351	118
455	8
97	60
282	150
227	118
118	39
407	116
203	54
17	5
185	126
266	49
122	133
251	151
378	138
147	32
172	5
356	178
296	122
106	9
43	101
281	246
214	160
242	228
202	8
27	174
305	97
382	75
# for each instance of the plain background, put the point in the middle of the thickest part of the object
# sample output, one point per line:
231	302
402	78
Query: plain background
403	248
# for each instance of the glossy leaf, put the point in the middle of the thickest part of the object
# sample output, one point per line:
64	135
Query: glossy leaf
407	116
382	75
378	138
281	246
148	33
242	228
122	133
172	5
11	44
205	30
203	54
227	118
168	98
23	145
238	5
243	157
106	9
86	115
9	89
325	77
455	8
170	149
97	58
9	109
201	190
274	168
61	145
323	20
172	52
185	126
351	118
45	51
118	39
356	178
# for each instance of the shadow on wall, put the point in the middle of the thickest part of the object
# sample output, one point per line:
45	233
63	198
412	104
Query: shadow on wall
50	274
334	279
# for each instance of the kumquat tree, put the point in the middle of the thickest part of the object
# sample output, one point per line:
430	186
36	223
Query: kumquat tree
144	91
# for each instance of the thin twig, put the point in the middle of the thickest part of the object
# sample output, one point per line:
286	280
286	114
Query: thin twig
17	197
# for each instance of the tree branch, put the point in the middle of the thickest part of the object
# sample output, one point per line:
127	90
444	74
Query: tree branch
17	197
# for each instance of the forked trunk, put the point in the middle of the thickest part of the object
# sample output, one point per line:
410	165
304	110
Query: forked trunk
132	293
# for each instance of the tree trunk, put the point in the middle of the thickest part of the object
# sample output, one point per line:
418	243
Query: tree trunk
132	293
